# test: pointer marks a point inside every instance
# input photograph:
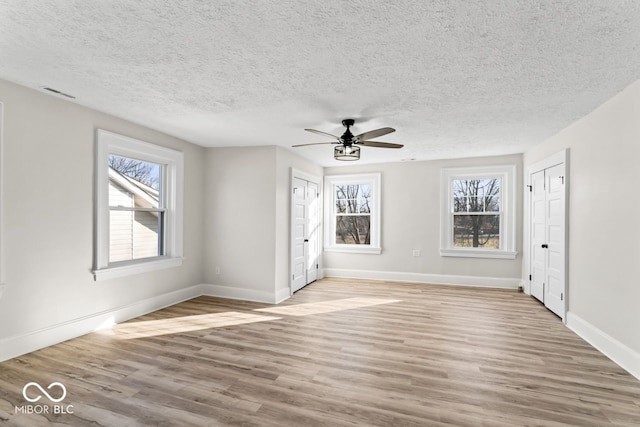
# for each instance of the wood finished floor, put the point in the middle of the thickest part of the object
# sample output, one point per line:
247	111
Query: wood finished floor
338	353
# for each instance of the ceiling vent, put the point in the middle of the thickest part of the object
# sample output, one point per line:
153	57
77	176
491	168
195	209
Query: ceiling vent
57	92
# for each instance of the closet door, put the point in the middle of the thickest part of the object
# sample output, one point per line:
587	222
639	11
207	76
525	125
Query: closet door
305	230
554	288
538	234
299	234
548	237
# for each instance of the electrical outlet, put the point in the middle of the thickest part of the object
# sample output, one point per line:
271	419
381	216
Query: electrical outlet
416	252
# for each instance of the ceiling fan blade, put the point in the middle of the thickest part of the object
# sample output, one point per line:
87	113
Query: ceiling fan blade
380	144
323	133
315	143
374	133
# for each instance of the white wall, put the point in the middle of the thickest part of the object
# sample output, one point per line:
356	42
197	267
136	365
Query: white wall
240	221
411	220
604	236
48	167
247	225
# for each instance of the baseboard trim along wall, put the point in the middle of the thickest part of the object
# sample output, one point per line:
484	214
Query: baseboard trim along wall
436	279
282	294
625	357
240	293
26	343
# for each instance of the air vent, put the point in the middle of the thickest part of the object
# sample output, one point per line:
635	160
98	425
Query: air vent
57	92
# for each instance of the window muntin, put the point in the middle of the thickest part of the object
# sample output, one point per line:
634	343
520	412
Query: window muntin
478	212
138	206
352	213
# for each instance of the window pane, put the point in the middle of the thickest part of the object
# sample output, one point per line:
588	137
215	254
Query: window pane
353	198
476	195
476	231
134	182
134	235
353	230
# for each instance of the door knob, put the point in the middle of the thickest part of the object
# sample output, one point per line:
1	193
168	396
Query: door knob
545	246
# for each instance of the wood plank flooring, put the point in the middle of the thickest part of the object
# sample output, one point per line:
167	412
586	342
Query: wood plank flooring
338	353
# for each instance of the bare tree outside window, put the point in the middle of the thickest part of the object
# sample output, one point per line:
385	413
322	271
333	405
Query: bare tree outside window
353	214
144	172
476	213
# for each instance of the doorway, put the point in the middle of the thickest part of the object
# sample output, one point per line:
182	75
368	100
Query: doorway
305	229
548	185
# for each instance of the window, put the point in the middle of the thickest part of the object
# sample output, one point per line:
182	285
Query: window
352	213
478	212
136	209
138	206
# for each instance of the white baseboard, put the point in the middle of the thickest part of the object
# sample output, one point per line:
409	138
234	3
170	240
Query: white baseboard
282	294
436	279
625	357
18	345
239	293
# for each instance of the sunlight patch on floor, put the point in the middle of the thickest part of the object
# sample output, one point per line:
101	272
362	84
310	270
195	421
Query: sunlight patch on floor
177	325
326	306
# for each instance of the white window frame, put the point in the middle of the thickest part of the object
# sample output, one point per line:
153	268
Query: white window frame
330	245
507	175
172	162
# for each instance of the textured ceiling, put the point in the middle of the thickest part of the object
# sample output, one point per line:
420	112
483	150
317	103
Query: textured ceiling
456	79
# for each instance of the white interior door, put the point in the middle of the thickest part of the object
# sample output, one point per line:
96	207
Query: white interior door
305	231
555	260
313	225
548	238
538	234
299	234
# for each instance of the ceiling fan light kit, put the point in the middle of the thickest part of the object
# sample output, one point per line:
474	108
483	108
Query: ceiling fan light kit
346	152
347	148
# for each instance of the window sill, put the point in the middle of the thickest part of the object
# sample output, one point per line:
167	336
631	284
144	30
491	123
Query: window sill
478	253
354	249
136	268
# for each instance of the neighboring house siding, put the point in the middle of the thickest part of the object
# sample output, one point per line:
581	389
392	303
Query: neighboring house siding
120	224
145	235
132	235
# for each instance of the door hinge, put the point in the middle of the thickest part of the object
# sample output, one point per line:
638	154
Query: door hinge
317	266
293	277
530	277
561	296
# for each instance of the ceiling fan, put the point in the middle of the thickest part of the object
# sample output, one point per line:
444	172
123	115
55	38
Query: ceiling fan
348	144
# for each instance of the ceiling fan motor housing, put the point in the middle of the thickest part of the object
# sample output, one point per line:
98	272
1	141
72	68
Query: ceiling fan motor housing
347	136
